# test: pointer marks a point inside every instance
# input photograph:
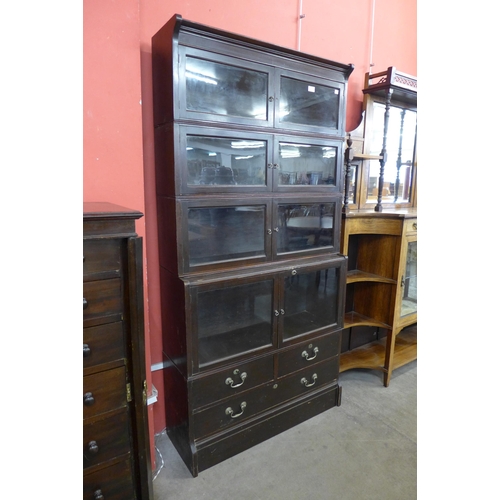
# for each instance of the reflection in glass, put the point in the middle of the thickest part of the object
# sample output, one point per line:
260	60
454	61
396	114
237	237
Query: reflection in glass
305	226
307	103
307	164
409	296
225	233
225	161
310	301
401	143
234	320
222	89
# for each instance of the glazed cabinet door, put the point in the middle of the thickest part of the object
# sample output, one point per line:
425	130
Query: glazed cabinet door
215	87
312	300
307	164
406	304
231	319
307	101
306	226
215	160
223	232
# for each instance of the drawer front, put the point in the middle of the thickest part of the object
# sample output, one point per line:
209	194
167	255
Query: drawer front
104	391
103	344
308	353
248	404
101	259
410	226
102	299
231	381
111	483
106	439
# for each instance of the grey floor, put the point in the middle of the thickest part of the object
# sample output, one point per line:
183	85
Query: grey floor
366	449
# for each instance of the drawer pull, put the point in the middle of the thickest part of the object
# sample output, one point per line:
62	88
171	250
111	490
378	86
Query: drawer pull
414	226
304	381
229	410
230	381
88	399
93	448
305	354
85	303
86	351
98	495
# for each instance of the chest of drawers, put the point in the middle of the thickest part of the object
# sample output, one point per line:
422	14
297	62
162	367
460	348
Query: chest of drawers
116	456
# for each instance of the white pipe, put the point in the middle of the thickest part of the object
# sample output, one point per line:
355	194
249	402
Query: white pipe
299	22
371	37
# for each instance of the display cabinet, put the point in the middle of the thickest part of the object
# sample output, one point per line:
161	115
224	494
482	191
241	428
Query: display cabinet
249	154
381	295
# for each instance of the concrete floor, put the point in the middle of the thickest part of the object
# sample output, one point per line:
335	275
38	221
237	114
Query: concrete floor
366	449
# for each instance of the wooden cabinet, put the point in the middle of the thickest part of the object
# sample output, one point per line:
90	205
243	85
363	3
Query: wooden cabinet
116	452
381	294
249	154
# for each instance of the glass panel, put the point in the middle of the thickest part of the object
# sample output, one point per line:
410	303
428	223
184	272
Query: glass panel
234	320
310	301
307	164
409	298
225	233
225	161
222	89
305	226
308	103
352	184
401	143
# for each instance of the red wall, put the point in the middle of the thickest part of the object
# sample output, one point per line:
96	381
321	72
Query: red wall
118	133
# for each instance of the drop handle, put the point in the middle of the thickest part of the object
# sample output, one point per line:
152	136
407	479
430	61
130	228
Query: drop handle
85	303
230	381
229	410
98	495
414	226
86	351
93	448
88	399
305	354
304	381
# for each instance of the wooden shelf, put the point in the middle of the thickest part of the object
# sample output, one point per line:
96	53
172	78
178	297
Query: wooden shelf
357	276
372	355
363	156
353	318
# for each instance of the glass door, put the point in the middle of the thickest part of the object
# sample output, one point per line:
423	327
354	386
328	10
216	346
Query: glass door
311	301
408	304
232	319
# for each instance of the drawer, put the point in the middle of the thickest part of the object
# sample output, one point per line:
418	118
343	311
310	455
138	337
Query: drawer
103	344
231	381
410	226
111	483
307	354
101	259
106	439
250	403
104	391
102	299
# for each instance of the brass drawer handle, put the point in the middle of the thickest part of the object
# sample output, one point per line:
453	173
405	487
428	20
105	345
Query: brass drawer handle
414	226
229	410
304	381
230	381
85	303
93	448
305	354
98	495
88	399
86	351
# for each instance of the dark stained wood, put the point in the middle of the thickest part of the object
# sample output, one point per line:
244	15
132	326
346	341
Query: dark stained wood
116	449
206	254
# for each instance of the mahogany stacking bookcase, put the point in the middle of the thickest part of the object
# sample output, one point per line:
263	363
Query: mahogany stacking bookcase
249	156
